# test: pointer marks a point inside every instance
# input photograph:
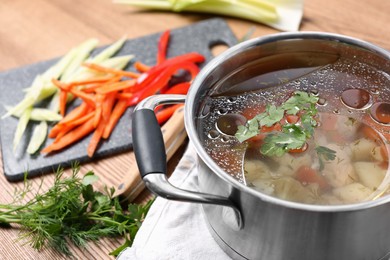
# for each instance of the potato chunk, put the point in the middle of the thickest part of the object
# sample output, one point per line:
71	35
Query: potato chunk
370	174
362	149
352	193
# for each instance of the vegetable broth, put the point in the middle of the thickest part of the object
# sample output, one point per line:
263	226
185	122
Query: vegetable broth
352	121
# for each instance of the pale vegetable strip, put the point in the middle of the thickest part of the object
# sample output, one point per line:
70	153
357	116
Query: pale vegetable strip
67	68
40	133
284	15
22	124
103	97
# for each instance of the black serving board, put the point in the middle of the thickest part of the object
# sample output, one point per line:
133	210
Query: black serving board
199	37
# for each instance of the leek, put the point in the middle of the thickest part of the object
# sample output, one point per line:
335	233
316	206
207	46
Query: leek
283	15
22	124
68	68
39	134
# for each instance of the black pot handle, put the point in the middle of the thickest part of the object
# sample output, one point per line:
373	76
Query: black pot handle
149	150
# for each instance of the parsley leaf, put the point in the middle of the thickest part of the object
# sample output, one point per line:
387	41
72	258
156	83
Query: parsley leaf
278	143
292	136
325	153
299	101
250	129
272	115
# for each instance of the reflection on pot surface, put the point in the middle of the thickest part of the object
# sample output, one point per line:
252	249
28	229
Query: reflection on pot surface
308	127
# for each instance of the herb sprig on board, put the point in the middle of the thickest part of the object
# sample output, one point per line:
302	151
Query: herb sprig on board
292	136
71	211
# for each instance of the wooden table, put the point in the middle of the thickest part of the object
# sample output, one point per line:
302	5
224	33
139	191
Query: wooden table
32	31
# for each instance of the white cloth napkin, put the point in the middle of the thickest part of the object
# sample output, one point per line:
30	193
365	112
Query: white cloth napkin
176	230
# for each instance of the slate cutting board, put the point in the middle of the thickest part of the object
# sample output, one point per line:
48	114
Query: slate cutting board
199	37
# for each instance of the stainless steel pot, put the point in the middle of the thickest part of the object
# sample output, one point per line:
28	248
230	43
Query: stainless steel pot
248	224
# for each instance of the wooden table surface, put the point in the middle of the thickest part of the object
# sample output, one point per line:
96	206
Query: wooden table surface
37	30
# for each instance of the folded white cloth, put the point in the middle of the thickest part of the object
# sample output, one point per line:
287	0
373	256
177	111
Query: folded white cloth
176	230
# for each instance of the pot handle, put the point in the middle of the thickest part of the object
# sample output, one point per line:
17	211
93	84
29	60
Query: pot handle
149	150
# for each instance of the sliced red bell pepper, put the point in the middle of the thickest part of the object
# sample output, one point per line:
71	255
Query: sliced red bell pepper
162	47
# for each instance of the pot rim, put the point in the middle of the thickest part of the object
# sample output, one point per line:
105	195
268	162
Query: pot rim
207	69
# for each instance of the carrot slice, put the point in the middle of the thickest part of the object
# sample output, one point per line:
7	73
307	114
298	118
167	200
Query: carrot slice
97	135
71	137
92	81
77	112
97	67
88	98
92	87
306	174
141	67
107	106
116	86
119	109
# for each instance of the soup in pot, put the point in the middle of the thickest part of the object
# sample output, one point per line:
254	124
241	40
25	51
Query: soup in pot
314	130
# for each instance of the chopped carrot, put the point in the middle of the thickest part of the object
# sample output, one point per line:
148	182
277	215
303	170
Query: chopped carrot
299	150
119	108
141	67
99	68
91	88
115	86
106	97
70	137
88	98
98	109
97	135
92	81
65	128
307	175
63	94
75	113
292	119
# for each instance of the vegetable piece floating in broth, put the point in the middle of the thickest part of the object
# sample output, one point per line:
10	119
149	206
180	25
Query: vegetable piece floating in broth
311	157
291	136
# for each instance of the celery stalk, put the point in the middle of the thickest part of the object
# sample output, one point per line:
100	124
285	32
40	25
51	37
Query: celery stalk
22	124
83	53
283	15
39	133
67	68
108	52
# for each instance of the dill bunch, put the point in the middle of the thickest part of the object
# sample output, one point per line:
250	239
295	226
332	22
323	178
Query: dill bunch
71	211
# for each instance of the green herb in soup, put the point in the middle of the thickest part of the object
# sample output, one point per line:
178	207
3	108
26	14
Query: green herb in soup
281	133
343	163
321	139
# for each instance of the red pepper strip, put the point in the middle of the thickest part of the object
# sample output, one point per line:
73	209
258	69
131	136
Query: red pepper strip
146	77
161	79
181	88
164	114
162	47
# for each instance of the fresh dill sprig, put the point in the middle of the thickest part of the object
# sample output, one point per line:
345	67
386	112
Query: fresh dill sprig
71	211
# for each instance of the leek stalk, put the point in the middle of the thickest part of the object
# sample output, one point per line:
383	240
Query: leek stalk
283	15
